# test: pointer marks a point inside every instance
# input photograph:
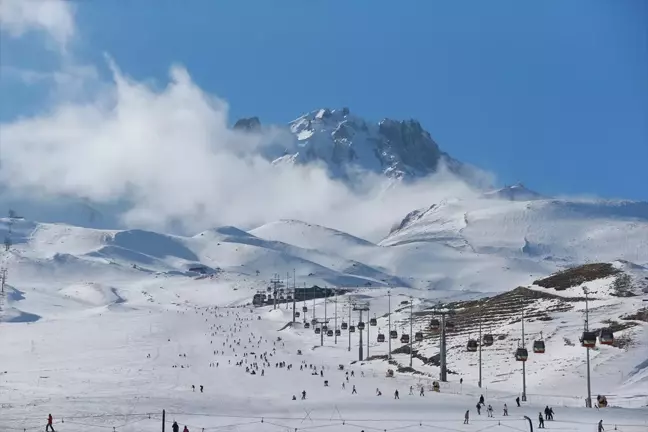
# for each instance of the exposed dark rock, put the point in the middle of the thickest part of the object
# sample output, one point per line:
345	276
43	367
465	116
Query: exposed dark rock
251	124
577	275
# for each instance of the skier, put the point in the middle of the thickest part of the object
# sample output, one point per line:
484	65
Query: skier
505	410
201	389
551	413
354	391
185	429
411	391
396	394
467	417
175	427
600	426
478	406
541	421
49	426
303	394
422	392
517	401
481	400
490	411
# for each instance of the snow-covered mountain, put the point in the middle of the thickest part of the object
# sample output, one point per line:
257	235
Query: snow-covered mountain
550	231
346	144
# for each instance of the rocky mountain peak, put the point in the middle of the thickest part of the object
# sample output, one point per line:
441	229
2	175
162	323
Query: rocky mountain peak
250	124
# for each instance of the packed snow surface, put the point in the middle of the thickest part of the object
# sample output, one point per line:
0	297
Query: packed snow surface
105	328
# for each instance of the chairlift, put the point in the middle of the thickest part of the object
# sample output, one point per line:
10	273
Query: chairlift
361	326
418	337
338	332
521	354
393	334
435	324
588	340
607	336
472	345
405	338
488	340
344	325
381	337
373	322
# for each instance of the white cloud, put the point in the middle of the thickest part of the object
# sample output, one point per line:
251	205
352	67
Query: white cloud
55	17
170	153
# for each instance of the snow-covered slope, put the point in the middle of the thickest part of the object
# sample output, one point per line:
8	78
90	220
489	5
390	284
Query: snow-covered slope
560	232
108	327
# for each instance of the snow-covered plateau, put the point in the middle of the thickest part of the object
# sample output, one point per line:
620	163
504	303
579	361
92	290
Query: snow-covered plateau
105	329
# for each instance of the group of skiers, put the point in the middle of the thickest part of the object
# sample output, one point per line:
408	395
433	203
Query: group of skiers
261	361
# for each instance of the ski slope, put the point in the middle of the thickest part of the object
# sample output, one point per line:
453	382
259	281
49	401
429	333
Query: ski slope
97	321
120	367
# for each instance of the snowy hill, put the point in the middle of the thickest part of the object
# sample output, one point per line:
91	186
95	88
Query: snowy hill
142	316
557	232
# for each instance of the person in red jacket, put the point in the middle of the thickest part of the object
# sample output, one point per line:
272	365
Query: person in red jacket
185	429
49	426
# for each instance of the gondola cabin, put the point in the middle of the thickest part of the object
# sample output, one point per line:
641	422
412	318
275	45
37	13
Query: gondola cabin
488	340
361	325
297	314
325	327
418	337
405	338
289	297
450	326
472	345
393	334
344	326
539	347
352	329
521	354
606	337
304	309
338	332
435	324
313	321
329	333
373	322
306	325
318	330
588	340
381	337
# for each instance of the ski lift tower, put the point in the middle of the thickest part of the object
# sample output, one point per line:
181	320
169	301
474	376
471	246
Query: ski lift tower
275	281
319	323
443	313
364	307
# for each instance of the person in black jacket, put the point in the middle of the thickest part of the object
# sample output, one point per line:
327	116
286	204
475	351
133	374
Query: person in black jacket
175	427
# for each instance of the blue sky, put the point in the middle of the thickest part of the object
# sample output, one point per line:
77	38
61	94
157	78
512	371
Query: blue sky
550	93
